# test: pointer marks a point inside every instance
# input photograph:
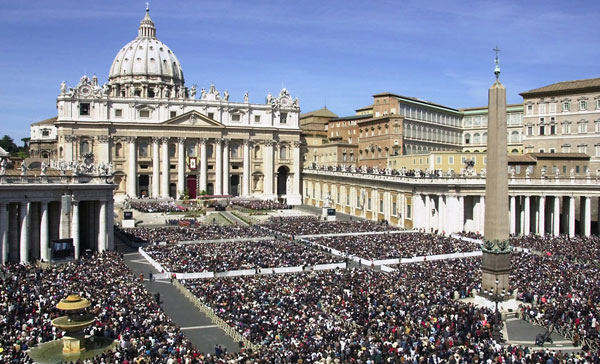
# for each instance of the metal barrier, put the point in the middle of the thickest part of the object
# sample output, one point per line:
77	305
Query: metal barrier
215	319
566	332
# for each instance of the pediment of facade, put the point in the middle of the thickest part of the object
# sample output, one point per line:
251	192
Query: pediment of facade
193	119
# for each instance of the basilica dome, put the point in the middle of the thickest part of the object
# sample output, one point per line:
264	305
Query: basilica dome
146	60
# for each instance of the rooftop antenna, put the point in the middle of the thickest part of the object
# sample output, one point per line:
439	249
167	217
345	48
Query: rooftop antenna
497	68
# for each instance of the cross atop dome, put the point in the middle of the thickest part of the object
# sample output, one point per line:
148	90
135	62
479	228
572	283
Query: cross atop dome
147	29
497	68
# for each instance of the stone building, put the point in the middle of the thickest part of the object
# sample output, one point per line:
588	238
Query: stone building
474	124
564	117
167	140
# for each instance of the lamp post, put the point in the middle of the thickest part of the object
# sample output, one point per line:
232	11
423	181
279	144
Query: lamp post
496	297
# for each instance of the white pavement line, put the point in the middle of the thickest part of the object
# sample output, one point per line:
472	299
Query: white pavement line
559	342
128	254
198	327
140	261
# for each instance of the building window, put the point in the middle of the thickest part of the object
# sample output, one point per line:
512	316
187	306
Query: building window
369	204
257	119
529	109
566	106
552	129
118	113
566	148
450	160
582	127
283	152
283	118
119	150
144	114
597	126
530	130
191	149
542	108
84	109
46	132
143	150
467	138
172	150
598	104
381	206
84	147
582	148
597	147
582	105
566	128
438	160
394	209
542	129
553	108
235	117
173	114
211	115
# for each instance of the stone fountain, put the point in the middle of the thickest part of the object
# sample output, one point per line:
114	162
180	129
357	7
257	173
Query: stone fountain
74	343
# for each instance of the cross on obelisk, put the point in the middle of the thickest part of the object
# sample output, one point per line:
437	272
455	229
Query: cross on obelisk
148	8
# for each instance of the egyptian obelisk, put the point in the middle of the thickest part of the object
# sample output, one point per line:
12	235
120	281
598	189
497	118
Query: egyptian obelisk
496	250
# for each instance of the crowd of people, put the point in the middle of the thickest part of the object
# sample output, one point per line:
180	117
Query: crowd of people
261	204
123	309
578	247
191	233
364	316
398	245
153	206
305	225
237	255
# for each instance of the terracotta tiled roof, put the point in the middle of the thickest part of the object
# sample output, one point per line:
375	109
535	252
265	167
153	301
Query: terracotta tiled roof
324	112
576	85
47	121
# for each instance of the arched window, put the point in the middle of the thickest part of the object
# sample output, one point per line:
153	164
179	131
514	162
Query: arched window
85	147
476	138
484	139
514	136
119	150
467	138
60	152
283	152
143	150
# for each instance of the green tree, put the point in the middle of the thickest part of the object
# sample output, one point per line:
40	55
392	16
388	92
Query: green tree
8	144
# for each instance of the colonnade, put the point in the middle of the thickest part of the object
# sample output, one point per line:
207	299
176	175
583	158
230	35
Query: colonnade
27	227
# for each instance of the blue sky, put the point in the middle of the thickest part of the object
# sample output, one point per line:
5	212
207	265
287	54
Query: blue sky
334	53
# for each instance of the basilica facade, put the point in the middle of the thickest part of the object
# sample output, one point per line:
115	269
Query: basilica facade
164	139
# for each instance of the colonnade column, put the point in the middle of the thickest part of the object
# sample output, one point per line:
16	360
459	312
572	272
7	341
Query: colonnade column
155	168
441	214
164	177
586	216
527	217
102	227
24	238
44	233
75	228
219	167
203	162
110	223
4	232
180	167
225	167
246	169
428	213
268	168
482	214
461	213
132	167
571	218
541	228
513	215
556	217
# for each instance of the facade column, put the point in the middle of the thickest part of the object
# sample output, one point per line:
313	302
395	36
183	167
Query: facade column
556	217
541	230
180	167
203	165
164	177
4	231
155	167
571	221
586	216
44	232
218	167
225	181
246	169
132	167
268	169
24	239
75	228
297	194
526	209
102	227
513	215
